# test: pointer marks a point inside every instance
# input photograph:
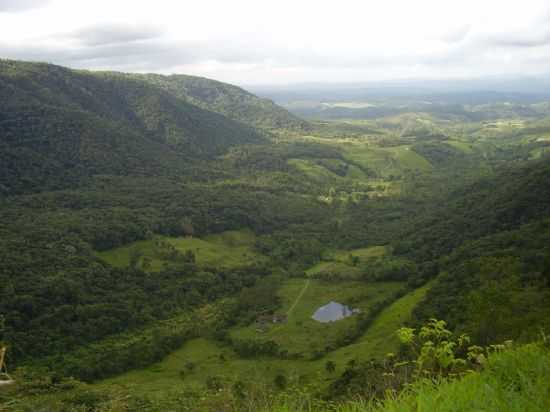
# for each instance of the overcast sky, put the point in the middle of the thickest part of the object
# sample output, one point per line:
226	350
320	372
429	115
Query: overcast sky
284	41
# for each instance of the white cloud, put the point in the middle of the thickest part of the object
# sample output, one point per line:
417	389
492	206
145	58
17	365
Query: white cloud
245	41
11	6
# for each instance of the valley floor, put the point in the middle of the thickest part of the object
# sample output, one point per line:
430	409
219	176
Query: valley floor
300	334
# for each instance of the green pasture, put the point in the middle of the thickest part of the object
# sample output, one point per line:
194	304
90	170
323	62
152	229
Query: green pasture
301	298
461	145
313	170
340	262
228	249
386	161
200	359
211	359
380	338
343	270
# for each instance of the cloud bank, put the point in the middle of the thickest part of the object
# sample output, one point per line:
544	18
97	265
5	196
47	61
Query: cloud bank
21	5
284	42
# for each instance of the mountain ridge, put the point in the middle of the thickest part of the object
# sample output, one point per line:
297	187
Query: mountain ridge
58	125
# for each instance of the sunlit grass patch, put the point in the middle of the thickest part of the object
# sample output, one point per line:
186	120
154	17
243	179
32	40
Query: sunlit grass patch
301	298
228	249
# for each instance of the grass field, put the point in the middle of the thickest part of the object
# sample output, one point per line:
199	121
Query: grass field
120	256
371	169
461	145
380	338
313	170
300	298
228	249
303	335
340	262
211	359
386	161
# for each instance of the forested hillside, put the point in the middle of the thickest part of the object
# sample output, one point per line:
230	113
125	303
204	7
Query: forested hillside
59	125
490	240
229	100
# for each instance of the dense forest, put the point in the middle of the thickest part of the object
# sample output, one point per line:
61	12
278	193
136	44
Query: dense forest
141	215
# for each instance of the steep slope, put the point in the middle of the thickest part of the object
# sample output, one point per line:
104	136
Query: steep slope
226	99
59	125
516	195
489	241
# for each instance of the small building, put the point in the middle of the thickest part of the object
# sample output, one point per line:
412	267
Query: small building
279	318
263	321
332	312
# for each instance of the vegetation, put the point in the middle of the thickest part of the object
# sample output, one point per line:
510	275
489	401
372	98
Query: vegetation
226	99
302	337
167	239
502	378
229	249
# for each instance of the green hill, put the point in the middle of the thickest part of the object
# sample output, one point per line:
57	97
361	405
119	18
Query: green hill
228	100
58	125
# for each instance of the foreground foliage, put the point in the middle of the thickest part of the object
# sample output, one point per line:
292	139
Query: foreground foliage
508	379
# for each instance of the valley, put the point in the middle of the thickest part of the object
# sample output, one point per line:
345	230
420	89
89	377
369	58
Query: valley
303	345
166	240
302	339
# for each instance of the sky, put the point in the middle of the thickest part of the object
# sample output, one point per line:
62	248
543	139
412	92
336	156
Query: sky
283	42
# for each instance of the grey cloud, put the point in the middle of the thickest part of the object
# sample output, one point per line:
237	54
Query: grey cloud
7	6
158	54
107	34
145	49
521	40
152	55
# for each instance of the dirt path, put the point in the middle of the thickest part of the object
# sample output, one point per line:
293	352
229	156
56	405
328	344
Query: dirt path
298	298
289	312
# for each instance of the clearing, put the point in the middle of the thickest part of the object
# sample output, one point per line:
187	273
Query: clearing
229	249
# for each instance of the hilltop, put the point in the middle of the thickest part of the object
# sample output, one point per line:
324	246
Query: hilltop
228	100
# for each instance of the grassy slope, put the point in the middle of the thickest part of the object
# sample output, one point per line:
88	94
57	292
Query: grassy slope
380	338
514	381
370	166
164	377
386	161
461	145
313	170
338	261
301	334
517	380
228	249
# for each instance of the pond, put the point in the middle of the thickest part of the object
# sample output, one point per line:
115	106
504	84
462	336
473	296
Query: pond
332	312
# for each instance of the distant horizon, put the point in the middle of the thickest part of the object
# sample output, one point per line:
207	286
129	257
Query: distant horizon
400	82
496	83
